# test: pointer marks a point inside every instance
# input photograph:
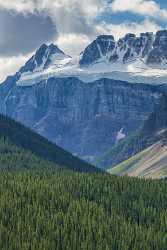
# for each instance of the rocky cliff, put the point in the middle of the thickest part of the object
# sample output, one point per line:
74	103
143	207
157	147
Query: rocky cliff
146	152
84	118
152	133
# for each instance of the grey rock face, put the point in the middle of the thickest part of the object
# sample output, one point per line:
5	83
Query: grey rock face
150	48
84	119
97	49
126	49
154	130
147	39
158	54
42	57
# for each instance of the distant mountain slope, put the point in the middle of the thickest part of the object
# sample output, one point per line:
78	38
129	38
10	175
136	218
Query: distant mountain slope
145	153
22	148
149	163
153	131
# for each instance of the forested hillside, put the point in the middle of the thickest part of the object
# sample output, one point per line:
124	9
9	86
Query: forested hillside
46	206
59	210
22	148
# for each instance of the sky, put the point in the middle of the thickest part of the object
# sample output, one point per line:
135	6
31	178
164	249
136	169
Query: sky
71	24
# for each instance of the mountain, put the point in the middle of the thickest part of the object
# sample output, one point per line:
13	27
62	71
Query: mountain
45	57
21	148
149	163
132	58
148	47
47	60
81	103
144	153
151	132
85	119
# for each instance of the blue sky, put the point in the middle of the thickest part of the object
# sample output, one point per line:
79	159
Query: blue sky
129	16
72	24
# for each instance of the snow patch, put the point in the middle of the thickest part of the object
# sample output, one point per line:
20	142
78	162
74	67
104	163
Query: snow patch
120	135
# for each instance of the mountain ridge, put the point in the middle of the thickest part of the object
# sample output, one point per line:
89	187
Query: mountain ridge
149	47
131	58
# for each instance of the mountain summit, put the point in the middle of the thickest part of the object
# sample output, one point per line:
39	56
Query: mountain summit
45	56
140	59
149	48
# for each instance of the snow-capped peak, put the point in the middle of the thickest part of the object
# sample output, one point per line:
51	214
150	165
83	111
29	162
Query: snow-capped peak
132	58
126	49
45	56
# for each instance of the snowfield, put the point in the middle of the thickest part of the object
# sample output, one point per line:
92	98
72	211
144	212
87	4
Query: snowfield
135	72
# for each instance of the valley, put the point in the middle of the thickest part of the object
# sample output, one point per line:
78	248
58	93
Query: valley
83	125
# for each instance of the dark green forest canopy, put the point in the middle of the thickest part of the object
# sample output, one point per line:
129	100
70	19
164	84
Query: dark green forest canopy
65	210
48	203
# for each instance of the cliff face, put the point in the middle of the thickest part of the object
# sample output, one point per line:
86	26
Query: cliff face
84	118
144	154
152	133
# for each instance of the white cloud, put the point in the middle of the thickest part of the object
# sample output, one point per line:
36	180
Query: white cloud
73	44
17	5
68	15
142	7
76	19
9	66
90	7
119	30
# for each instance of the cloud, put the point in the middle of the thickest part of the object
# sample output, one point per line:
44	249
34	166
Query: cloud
10	65
21	34
147	8
17	5
69	16
90	8
119	30
73	44
76	20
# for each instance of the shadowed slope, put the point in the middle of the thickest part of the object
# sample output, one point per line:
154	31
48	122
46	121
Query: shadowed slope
15	137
